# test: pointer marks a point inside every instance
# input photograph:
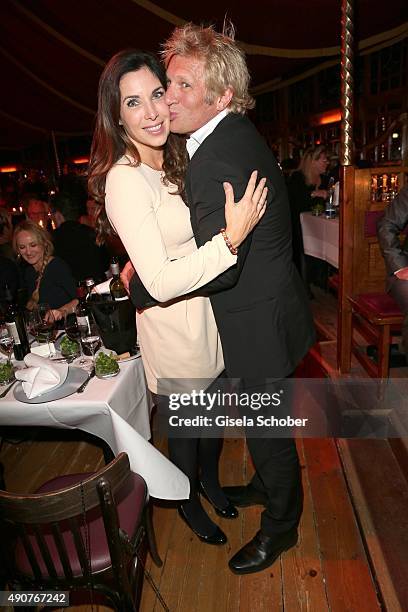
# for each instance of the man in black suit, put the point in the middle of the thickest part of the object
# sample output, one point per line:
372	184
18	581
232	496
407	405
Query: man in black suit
74	242
260	305
395	254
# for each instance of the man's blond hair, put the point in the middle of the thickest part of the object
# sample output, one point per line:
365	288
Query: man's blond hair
224	63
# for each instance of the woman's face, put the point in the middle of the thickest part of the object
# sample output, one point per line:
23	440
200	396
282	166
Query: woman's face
30	249
320	164
143	111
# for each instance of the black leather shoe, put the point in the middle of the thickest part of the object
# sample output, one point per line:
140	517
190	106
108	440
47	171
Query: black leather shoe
244	496
218	537
229	512
261	552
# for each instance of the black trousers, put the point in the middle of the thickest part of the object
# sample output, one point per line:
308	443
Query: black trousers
399	291
277	470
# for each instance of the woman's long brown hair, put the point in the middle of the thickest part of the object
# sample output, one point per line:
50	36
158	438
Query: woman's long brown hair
110	141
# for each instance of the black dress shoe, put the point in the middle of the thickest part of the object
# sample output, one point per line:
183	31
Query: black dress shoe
261	552
218	537
229	512
244	496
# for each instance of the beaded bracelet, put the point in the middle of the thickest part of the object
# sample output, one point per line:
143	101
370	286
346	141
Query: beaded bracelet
232	249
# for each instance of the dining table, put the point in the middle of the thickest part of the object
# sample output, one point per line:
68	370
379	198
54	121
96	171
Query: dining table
320	237
116	410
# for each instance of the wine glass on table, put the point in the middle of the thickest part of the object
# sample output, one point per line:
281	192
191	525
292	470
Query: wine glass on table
6	341
74	332
90	337
6	344
43	324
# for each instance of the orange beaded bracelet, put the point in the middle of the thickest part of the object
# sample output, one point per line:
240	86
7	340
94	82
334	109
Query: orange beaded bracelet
232	249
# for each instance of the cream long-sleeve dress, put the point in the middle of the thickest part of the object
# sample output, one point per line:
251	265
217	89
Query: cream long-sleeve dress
178	339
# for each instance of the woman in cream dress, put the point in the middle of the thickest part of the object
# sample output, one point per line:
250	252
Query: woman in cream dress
134	171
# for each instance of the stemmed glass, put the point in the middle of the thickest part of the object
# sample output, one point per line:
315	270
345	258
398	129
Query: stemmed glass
42	323
90	337
6	343
74	332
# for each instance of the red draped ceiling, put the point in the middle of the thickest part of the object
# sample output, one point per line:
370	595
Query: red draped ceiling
52	52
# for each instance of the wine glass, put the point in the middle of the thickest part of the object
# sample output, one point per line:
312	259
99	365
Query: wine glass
43	323
6	342
73	331
90	337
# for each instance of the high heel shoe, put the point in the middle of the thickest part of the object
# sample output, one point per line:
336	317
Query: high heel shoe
229	512
217	538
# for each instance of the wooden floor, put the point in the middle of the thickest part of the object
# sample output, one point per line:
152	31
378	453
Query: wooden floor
352	553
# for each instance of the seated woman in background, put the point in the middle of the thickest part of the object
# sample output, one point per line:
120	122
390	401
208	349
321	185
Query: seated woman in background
47	279
305	190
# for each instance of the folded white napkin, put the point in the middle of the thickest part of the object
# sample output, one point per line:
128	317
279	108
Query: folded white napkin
43	349
41	375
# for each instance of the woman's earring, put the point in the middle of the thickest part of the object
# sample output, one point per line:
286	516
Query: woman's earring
120	122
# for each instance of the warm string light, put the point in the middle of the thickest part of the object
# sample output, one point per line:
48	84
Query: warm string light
329	117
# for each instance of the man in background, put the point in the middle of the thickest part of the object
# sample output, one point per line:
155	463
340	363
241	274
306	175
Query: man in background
75	242
395	254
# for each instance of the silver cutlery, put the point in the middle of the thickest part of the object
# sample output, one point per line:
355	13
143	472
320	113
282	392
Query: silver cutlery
90	375
63	359
4	393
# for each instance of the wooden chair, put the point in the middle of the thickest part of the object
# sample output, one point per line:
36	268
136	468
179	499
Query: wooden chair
80	532
364	305
375	316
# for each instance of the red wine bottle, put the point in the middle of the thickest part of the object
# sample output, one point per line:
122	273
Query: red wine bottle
17	330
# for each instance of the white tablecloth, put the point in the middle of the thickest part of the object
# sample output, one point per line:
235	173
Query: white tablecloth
320	237
116	410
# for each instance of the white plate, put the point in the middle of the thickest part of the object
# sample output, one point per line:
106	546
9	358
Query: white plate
75	378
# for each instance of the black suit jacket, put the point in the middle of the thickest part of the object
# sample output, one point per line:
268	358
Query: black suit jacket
75	243
260	304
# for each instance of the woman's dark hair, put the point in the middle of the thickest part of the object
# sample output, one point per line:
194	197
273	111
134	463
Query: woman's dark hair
110	141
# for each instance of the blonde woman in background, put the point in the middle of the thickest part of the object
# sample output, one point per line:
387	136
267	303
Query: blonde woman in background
305	190
47	279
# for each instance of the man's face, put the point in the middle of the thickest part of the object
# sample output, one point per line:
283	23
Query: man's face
185	95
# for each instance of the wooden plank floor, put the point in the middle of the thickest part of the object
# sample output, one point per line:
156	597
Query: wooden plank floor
353	536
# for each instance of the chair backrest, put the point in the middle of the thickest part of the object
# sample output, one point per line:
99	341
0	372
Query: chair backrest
51	528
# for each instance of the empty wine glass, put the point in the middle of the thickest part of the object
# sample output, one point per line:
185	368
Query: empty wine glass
90	337
6	342
6	368
43	323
